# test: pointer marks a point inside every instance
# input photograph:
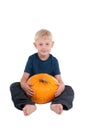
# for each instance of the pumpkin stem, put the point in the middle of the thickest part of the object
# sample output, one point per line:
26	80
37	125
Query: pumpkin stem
43	80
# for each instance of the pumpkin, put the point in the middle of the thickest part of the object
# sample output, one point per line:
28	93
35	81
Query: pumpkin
44	86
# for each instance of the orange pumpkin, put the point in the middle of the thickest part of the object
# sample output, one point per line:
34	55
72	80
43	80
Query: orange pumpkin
44	86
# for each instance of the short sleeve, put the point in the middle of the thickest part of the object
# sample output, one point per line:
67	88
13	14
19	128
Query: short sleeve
56	67
28	66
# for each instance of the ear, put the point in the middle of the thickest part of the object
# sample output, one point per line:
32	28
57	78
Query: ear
52	43
35	44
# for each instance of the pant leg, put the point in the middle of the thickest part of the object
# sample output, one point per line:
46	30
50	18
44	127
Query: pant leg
19	97
66	98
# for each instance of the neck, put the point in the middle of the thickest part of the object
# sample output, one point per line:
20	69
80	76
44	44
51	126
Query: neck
43	57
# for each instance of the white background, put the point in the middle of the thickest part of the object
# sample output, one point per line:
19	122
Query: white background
19	21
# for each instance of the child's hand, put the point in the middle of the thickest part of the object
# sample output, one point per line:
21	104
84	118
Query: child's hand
60	89
29	91
27	88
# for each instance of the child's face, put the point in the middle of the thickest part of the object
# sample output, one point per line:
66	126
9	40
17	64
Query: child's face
44	46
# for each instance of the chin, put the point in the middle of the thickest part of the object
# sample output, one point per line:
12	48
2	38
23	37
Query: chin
45	54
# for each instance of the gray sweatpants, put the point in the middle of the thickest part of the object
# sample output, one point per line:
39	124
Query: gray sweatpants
20	99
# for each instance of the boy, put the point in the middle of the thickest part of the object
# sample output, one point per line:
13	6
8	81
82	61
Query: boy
41	62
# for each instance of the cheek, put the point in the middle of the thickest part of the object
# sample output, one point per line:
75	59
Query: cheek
39	48
49	48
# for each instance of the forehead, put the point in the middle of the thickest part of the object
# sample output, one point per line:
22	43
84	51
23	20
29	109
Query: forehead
44	39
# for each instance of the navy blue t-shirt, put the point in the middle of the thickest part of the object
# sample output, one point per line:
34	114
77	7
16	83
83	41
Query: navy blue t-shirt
35	65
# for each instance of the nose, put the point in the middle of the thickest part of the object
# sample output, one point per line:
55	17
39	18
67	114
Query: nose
44	46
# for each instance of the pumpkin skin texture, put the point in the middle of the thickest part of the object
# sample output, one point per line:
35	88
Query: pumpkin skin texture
44	86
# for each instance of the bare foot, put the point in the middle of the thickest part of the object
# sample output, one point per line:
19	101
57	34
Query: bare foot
57	108
28	109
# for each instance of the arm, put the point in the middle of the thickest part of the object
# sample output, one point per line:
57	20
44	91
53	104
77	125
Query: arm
60	84
24	85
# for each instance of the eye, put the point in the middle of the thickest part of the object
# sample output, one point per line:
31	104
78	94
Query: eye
40	44
47	43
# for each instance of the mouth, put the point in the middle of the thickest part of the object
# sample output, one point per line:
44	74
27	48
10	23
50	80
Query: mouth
44	51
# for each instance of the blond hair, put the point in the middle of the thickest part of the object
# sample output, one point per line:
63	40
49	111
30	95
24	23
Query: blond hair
43	33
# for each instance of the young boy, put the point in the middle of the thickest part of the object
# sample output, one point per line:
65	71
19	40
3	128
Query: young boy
41	62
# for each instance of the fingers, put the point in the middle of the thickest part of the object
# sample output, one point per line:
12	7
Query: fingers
30	84
58	83
57	94
30	92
